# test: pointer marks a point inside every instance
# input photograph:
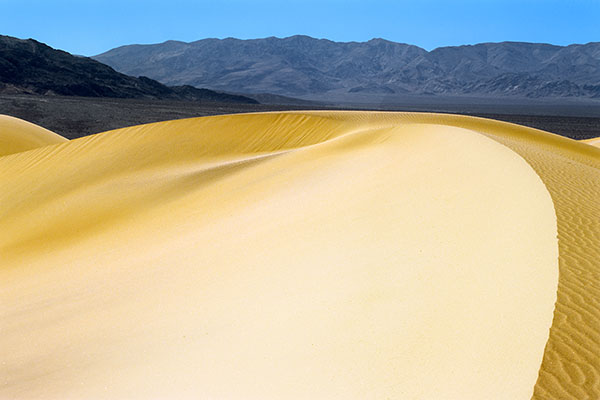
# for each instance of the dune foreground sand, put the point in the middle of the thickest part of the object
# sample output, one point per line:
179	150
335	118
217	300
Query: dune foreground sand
321	255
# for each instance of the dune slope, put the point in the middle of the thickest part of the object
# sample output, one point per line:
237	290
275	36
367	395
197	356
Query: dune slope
17	135
571	172
302	255
593	142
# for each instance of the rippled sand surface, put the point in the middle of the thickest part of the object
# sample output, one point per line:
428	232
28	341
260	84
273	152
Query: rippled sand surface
300	255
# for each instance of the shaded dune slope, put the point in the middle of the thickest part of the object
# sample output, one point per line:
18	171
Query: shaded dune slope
295	255
17	135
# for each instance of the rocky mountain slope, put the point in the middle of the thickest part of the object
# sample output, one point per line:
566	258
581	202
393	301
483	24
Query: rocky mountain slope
304	66
28	66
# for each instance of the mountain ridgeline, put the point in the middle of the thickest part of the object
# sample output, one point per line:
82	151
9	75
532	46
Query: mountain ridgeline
28	66
304	66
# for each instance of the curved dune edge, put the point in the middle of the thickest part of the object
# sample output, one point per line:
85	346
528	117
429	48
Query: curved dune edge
17	135
295	163
571	172
593	141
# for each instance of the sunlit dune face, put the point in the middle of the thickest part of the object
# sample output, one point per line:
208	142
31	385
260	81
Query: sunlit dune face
294	255
593	142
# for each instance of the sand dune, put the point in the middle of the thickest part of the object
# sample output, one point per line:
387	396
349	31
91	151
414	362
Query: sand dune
593	142
301	255
17	135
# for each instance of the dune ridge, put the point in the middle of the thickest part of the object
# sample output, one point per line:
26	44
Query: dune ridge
154	258
571	172
17	135
593	141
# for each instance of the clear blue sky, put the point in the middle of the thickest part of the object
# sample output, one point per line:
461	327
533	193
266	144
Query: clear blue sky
89	27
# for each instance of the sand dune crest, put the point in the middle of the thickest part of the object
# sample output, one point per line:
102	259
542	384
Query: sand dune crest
17	135
301	254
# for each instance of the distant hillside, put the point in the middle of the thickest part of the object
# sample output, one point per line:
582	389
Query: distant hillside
28	66
304	66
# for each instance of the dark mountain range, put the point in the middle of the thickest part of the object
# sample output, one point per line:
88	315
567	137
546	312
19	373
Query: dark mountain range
313	68
28	66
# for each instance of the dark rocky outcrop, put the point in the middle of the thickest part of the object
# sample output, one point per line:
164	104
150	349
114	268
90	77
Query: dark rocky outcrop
28	66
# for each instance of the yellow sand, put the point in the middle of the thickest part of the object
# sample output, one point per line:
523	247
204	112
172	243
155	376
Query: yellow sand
593	141
17	135
301	255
